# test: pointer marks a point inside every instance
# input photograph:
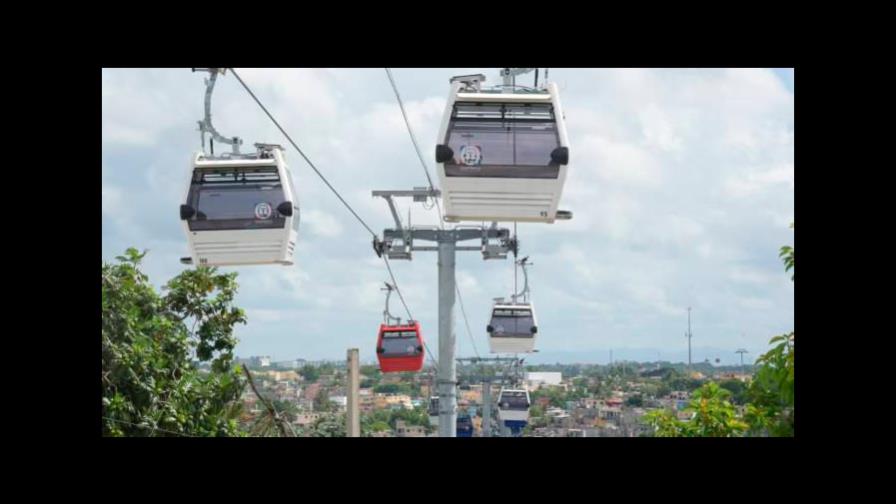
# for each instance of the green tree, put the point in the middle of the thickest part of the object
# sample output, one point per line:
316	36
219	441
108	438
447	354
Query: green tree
713	416
370	370
737	388
635	401
310	373
379	426
786	254
771	393
286	408
329	426
386	388
323	403
151	385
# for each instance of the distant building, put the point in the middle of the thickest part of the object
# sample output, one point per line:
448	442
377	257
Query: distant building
312	390
367	402
340	400
539	378
280	376
398	401
306	418
287	364
404	430
471	396
610	411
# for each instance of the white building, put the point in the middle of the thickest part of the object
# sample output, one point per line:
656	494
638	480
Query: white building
287	364
544	378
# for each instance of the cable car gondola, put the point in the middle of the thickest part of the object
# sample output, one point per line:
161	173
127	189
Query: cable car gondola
241	209
502	156
512	328
513	408
464	426
399	348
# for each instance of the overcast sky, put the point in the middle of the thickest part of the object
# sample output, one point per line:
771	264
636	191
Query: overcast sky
680	180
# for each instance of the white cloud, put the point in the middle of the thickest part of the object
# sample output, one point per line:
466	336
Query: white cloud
321	224
756	181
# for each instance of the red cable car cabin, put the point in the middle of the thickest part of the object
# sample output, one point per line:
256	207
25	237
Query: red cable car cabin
399	348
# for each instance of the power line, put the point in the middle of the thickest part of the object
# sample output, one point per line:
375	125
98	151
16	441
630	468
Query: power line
406	309
319	174
410	131
436	200
335	192
467	322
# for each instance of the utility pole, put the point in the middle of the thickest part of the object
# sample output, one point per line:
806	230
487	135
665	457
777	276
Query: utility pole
688	335
447	339
742	351
352	418
398	243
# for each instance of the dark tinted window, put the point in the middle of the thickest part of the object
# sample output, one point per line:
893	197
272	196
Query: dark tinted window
400	344
236	198
513	400
512	322
502	140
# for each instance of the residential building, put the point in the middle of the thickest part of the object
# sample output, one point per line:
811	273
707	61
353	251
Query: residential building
304	419
539	378
340	400
404	430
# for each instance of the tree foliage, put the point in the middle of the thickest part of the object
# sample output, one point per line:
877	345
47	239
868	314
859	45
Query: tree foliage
151	385
786	255
770	396
388	418
330	425
771	392
712	416
737	388
309	373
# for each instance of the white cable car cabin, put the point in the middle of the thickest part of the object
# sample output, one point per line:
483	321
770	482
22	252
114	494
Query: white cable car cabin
513	405
241	209
502	156
512	328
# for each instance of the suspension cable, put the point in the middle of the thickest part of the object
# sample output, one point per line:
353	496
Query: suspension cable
319	174
436	200
335	192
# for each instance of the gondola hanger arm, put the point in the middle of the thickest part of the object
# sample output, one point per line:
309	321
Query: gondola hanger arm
205	125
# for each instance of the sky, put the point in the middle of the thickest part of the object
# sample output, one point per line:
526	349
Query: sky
680	181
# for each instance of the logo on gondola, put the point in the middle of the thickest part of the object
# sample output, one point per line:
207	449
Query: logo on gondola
470	155
263	211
